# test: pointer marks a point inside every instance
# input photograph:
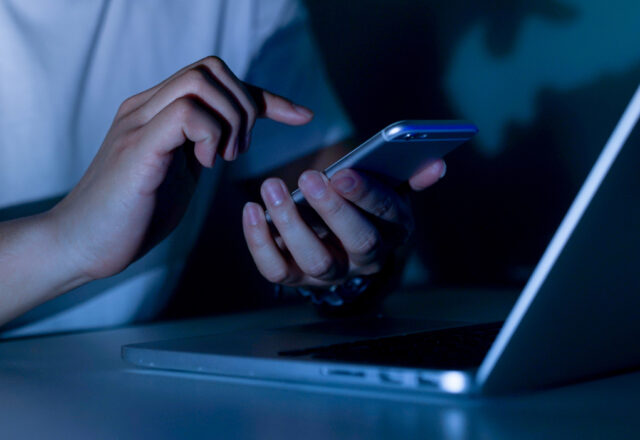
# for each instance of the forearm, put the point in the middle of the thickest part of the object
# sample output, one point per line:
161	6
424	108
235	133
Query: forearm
34	266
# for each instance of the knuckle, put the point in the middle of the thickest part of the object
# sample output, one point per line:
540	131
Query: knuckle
333	207
183	107
367	243
194	80
256	239
321	267
127	139
214	63
127	106
283	218
136	117
277	275
384	207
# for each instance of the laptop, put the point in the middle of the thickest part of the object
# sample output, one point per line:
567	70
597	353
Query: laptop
578	316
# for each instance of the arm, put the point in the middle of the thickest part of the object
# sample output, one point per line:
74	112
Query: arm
34	265
139	184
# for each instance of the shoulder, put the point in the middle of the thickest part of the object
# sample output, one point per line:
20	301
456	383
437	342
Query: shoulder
276	15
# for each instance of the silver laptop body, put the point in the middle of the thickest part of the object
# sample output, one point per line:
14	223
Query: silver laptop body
578	316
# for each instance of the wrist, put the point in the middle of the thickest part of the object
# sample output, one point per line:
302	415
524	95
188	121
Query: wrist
61	253
33	265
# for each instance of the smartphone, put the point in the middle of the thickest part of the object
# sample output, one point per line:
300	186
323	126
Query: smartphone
399	150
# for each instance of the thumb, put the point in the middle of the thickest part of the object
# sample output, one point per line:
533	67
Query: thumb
429	174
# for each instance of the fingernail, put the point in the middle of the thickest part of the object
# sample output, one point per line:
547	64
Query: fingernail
345	184
252	214
444	169
302	111
313	183
274	193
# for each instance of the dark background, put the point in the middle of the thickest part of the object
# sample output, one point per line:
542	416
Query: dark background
490	218
488	221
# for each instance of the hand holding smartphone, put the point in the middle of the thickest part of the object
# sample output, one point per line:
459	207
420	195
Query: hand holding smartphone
348	235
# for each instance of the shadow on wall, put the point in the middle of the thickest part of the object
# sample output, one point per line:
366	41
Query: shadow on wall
545	81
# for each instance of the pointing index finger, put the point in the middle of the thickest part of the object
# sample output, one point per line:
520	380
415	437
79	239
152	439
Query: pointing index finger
277	108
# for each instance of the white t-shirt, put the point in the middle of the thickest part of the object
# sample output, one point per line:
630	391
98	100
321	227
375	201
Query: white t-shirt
66	66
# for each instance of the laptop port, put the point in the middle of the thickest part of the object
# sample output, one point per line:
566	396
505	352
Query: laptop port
403	378
343	372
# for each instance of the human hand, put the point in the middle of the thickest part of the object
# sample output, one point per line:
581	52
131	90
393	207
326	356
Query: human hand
139	184
363	222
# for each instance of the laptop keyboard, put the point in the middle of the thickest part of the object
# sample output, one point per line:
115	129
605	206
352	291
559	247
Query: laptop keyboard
452	348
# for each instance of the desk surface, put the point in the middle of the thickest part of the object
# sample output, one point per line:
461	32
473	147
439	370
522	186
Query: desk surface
76	386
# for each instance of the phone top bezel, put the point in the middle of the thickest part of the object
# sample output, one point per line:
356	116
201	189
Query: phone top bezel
395	132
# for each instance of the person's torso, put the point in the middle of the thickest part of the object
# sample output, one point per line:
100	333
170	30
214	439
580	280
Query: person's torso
65	67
